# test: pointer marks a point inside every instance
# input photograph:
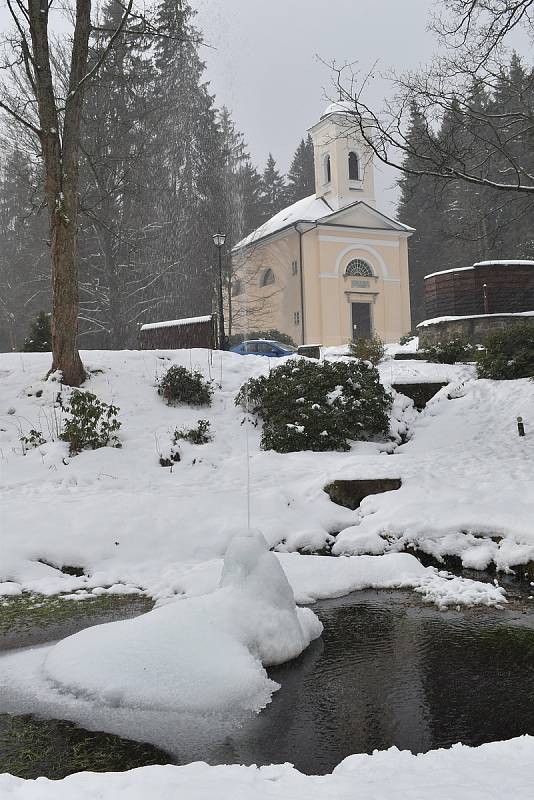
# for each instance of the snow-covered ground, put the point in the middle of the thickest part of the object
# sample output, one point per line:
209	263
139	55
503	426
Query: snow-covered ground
132	524
490	772
135	526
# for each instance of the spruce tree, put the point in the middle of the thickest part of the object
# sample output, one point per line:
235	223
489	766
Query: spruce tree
274	190
301	175
40	338
419	208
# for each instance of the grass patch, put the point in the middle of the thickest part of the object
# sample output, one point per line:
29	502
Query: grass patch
30	618
31	747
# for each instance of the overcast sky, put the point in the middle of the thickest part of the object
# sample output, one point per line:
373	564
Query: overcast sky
264	61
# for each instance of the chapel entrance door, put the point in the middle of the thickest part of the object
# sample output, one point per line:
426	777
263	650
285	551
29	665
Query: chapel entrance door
361	319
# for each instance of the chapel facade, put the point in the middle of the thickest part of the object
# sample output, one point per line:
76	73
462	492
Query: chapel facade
331	266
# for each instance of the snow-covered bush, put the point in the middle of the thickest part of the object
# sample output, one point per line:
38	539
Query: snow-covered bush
92	424
509	354
33	439
368	348
406	338
451	351
182	385
199	435
311	405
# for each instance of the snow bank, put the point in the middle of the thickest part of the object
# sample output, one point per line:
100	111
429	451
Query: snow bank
492	770
198	655
129	523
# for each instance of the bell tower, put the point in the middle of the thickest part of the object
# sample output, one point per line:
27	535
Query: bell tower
344	171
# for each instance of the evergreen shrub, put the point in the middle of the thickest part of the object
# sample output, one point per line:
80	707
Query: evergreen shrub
272	335
451	351
311	405
367	348
33	439
199	435
509	354
182	385
40	337
406	338
92	424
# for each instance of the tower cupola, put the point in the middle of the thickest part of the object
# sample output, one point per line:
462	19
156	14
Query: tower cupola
344	171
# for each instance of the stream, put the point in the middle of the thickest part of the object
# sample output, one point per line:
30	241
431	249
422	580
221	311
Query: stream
387	671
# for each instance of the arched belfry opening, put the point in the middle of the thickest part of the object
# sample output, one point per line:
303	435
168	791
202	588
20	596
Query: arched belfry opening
354	166
327	169
343	162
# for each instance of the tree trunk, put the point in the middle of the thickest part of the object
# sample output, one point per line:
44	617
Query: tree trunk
65	297
60	158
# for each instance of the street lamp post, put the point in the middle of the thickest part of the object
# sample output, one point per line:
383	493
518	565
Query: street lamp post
219	240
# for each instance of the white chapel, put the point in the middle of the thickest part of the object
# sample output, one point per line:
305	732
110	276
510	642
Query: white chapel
331	266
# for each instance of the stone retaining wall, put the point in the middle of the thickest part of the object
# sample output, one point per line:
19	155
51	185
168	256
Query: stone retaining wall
475	328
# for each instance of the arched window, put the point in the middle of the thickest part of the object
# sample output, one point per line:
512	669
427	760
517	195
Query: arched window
327	171
359	267
237	288
354	167
267	278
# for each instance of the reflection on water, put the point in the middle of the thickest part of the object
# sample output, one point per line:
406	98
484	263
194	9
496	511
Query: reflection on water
388	675
384	673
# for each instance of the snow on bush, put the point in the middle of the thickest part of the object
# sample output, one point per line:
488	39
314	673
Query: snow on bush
451	351
92	424
182	385
200	655
311	405
509	354
368	348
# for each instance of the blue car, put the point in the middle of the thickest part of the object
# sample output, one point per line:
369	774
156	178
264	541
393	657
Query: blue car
263	347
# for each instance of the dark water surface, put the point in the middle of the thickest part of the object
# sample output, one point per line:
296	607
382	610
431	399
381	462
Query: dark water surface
385	672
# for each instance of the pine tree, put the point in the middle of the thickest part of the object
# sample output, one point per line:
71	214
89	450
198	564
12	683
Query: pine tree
24	256
301	175
190	167
40	338
119	124
274	190
419	208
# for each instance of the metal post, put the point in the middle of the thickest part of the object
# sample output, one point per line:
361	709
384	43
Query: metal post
218	240
221	306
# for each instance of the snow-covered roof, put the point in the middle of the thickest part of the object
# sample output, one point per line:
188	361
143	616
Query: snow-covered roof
446	271
310	209
339	107
502	263
521	263
436	320
172	323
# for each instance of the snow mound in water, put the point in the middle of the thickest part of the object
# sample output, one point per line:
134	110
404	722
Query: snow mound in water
198	655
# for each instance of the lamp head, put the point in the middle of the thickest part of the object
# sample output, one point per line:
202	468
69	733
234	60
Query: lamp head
219	239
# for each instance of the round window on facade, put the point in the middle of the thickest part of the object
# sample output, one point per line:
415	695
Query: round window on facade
359	267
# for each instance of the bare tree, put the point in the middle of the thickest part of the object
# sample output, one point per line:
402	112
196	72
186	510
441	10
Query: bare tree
485	145
31	94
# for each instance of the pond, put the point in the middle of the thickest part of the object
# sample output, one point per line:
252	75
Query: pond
385	672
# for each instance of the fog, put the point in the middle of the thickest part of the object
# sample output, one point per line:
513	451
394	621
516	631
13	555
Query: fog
265	62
